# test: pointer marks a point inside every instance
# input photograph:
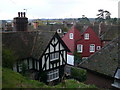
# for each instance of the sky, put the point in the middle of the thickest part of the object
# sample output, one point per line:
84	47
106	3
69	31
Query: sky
56	8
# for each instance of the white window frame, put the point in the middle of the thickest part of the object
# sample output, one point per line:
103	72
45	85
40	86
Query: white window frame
92	47
71	35
86	36
54	56
53	75
59	30
81	48
98	47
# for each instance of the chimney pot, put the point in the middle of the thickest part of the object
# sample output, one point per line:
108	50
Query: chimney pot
21	14
18	14
24	14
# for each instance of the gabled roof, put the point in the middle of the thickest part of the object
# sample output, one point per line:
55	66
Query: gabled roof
117	73
28	44
104	61
82	28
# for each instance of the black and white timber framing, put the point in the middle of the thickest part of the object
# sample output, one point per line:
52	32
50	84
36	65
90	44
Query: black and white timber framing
51	61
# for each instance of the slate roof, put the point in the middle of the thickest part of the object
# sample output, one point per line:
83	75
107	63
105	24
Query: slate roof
111	33
51	27
104	61
82	28
28	44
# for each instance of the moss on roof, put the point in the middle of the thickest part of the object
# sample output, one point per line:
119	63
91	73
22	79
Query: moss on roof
27	44
111	33
104	61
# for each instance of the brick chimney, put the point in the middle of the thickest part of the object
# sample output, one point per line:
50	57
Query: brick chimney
20	22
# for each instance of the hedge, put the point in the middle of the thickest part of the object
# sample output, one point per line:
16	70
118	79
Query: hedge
78	74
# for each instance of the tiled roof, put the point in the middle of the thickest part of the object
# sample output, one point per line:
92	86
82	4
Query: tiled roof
111	33
27	44
104	61
82	28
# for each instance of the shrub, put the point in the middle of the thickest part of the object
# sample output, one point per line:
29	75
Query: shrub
77	58
8	58
79	74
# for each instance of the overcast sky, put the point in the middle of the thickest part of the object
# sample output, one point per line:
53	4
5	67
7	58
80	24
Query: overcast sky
56	8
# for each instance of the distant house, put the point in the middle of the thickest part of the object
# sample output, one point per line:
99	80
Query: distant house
59	28
2	24
5	25
109	35
43	52
102	65
84	42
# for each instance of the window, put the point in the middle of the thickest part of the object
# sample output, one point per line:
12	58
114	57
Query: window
86	36
54	56
79	48
98	47
59	31
53	75
71	35
92	48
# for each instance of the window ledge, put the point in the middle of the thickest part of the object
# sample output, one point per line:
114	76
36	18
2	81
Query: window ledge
92	51
79	51
52	79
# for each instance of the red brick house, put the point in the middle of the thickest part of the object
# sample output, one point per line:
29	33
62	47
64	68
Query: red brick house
89	42
84	41
102	67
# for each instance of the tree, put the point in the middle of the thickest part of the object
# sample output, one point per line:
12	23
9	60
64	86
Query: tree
77	58
8	58
107	14
84	20
103	15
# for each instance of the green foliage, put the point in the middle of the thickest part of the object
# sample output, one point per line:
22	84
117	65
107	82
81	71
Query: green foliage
77	58
43	77
73	84
11	79
84	21
23	67
78	74
65	29
8	58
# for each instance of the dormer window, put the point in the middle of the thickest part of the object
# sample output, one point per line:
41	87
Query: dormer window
86	36
71	35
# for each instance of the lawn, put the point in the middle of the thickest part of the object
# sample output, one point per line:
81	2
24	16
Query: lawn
11	79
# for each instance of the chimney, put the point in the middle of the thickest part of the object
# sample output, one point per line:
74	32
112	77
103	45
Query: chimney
20	24
21	14
18	14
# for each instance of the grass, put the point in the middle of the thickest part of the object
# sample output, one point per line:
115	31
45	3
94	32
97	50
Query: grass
73	84
11	79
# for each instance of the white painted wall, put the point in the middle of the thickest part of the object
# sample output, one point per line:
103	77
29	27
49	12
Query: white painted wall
70	59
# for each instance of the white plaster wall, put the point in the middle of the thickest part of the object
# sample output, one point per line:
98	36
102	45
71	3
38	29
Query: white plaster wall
51	48
61	47
30	64
47	64
43	61
70	59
